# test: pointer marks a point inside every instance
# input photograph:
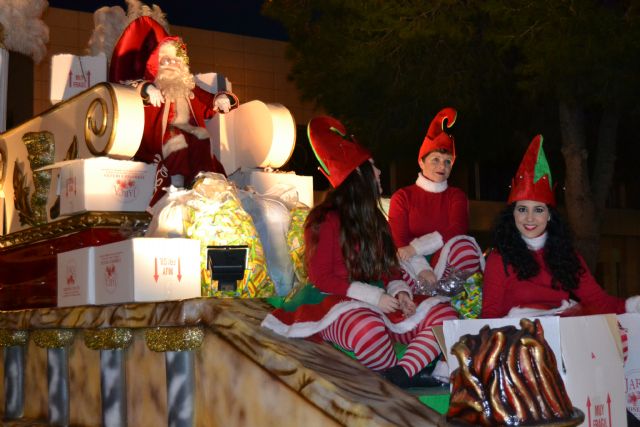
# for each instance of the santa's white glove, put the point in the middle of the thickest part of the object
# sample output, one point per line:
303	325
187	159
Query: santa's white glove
154	95
632	305
222	104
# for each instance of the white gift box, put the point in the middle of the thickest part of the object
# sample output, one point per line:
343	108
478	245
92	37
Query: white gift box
72	74
104	184
147	269
76	277
588	352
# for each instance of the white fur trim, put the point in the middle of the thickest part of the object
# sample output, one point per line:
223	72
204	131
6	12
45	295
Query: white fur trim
415	265
520	312
306	329
430	186
632	304
396	286
427	244
535	243
173	144
365	292
444	254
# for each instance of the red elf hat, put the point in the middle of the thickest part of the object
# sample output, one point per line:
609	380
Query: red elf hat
533	179
436	137
133	49
337	152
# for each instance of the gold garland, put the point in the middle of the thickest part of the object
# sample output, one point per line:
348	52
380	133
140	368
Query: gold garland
13	337
52	338
134	223
174	339
108	339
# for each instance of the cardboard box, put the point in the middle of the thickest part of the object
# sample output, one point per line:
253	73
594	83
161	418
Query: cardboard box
587	349
72	74
104	184
76	277
630	323
147	269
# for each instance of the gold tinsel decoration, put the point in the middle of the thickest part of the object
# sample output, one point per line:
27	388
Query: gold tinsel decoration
130	224
40	152
13	337
108	339
174	339
52	338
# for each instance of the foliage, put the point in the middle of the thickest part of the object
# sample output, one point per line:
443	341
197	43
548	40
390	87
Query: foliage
385	68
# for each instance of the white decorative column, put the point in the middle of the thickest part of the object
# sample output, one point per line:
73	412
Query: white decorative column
4	79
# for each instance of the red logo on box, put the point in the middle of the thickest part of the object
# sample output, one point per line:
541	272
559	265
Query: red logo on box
71	274
125	189
111	278
70	186
633	392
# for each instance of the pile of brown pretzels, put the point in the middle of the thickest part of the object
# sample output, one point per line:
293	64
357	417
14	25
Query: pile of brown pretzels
507	376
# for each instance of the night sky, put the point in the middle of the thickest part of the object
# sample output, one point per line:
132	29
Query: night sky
229	16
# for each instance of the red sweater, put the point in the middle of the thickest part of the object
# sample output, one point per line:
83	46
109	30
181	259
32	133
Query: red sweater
414	212
502	291
326	269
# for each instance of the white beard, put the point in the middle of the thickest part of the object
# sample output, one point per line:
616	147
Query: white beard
175	85
177	88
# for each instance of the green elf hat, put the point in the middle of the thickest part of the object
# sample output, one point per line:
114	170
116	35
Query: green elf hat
533	179
436	137
337	152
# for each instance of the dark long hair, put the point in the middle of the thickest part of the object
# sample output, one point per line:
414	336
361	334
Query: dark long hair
365	238
559	254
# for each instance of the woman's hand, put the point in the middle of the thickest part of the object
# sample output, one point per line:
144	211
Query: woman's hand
406	252
428	277
407	305
388	303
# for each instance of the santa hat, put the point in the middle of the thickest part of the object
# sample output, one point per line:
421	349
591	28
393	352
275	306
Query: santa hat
153	64
338	153
436	137
134	48
533	179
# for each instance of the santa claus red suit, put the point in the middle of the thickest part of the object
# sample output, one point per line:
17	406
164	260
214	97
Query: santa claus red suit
174	131
175	137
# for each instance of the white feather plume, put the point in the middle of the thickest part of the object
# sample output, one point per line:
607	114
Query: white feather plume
24	30
110	22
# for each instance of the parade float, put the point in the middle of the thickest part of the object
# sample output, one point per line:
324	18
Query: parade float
113	317
116	313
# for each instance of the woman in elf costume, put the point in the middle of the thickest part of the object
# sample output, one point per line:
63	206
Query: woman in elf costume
357	298
429	220
534	268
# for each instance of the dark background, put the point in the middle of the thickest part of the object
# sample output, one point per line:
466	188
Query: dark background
229	16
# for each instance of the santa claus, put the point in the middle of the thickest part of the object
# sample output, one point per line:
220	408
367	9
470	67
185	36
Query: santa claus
175	137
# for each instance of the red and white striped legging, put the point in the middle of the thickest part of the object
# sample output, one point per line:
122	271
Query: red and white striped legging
363	331
463	256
